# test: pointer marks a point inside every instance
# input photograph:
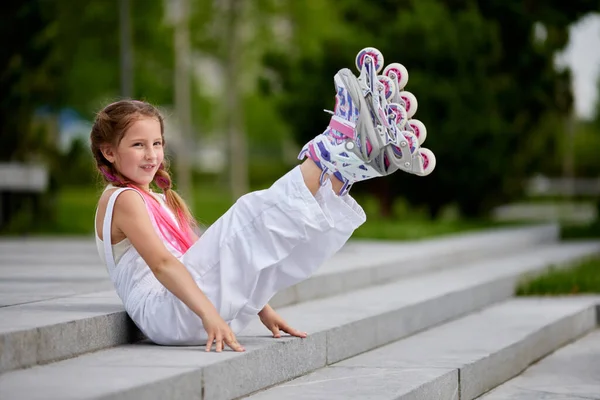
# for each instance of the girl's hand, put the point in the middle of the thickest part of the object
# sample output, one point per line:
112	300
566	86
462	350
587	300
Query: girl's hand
275	323
219	332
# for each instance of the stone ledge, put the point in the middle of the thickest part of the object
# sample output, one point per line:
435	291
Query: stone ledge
572	372
461	359
340	327
56	329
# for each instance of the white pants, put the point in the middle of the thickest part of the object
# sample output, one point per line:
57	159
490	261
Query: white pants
267	241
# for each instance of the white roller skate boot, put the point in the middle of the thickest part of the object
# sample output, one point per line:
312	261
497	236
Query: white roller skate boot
367	134
358	131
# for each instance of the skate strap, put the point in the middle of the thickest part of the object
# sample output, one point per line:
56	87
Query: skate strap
343	127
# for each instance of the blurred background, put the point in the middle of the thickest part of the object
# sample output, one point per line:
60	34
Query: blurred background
508	90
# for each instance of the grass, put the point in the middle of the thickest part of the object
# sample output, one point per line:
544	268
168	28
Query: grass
410	223
418	228
580	231
580	278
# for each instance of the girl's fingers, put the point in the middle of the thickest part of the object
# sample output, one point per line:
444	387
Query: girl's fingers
294	332
209	342
275	331
233	343
219	343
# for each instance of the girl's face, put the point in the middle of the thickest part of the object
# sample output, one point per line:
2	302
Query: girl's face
140	152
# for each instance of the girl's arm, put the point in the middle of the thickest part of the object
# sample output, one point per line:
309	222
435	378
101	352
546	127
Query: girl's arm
131	217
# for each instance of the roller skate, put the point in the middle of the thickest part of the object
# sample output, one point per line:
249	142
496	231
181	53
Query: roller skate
369	134
405	154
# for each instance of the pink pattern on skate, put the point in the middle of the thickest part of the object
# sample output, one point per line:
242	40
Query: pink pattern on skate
346	130
364	53
388	90
334	136
425	160
383	118
411	145
407	101
312	153
396	72
344	106
415	128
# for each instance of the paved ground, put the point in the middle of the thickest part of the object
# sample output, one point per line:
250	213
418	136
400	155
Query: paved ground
45	268
39	269
571	373
35	269
32	270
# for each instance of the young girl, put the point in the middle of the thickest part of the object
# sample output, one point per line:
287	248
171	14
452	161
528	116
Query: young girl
181	289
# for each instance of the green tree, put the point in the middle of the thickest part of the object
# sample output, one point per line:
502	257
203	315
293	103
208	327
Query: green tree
88	49
27	81
238	37
484	85
28	78
596	117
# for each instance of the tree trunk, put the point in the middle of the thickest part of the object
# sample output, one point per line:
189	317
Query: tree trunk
126	49
238	157
182	98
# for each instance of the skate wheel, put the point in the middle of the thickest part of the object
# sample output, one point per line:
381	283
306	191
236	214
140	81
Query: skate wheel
398	73
389	87
428	161
400	113
418	129
411	103
412	139
375	54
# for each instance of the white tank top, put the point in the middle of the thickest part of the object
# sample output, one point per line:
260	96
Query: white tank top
132	278
118	249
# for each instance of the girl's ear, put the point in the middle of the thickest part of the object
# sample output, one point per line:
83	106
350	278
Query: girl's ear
108	153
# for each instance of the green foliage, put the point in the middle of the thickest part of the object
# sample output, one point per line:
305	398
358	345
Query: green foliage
586	144
75	208
484	87
488	91
76	166
89	49
28	78
585	231
596	120
582	277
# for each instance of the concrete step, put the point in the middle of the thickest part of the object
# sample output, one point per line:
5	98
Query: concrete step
339	327
38	332
571	373
368	262
41	269
458	360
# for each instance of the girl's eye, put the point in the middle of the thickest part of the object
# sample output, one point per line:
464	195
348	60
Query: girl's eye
158	143
137	144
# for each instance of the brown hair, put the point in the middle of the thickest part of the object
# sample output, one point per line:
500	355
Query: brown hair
109	127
